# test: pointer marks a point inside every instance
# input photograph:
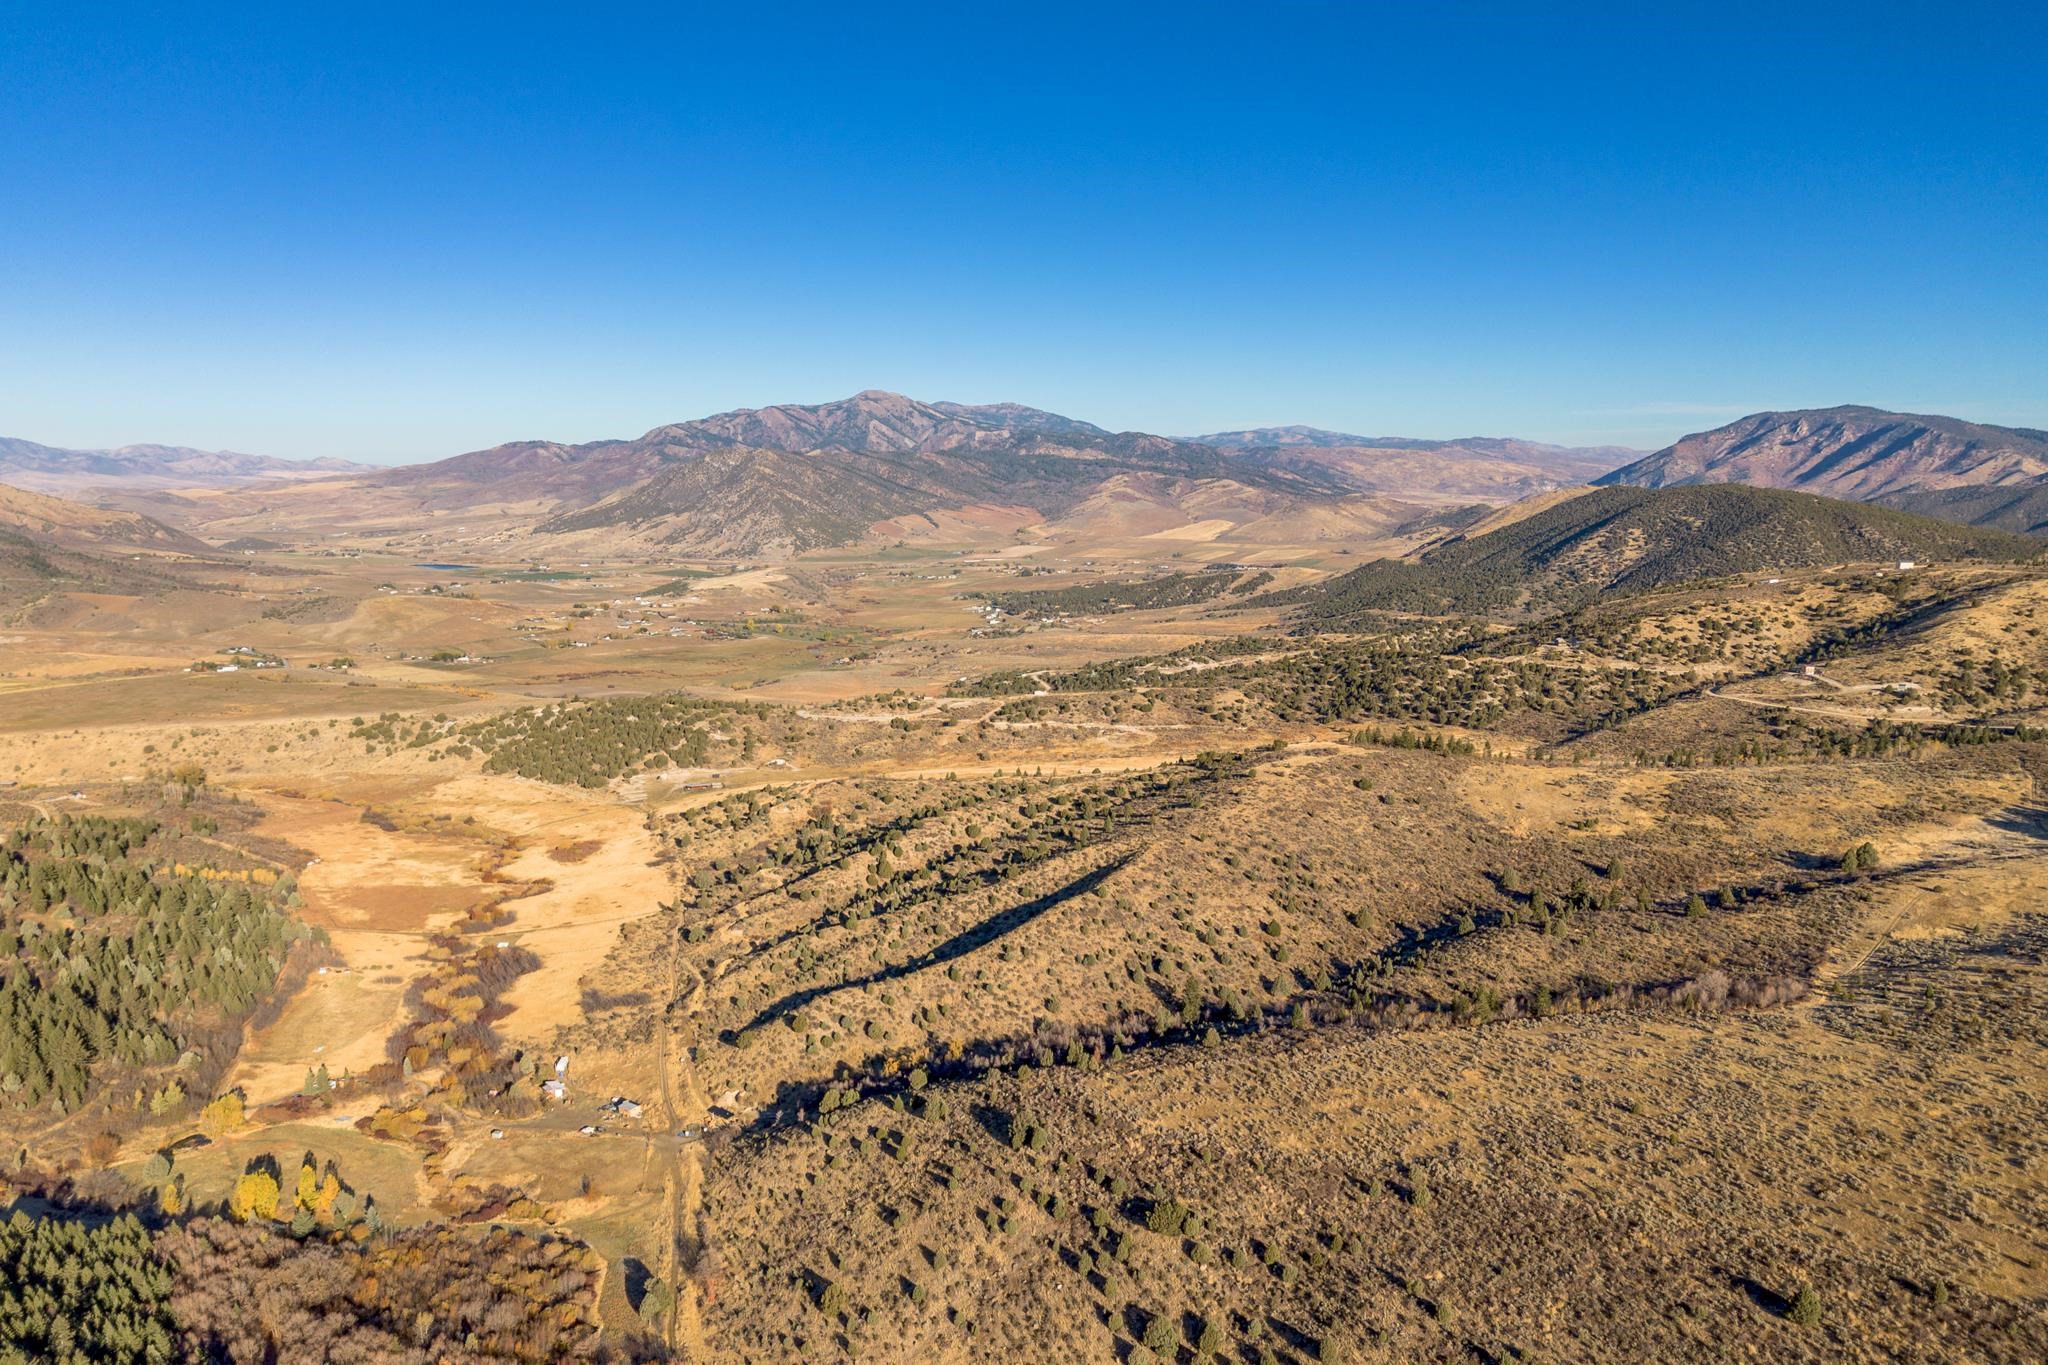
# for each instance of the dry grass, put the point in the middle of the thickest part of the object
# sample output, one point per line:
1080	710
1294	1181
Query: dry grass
1485	973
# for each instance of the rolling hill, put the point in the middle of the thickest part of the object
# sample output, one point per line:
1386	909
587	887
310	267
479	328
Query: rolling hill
1848	452
1634	539
50	544
30	568
75	525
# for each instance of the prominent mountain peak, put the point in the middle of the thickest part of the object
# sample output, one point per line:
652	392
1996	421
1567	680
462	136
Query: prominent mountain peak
873	419
848	463
1852	451
796	475
879	422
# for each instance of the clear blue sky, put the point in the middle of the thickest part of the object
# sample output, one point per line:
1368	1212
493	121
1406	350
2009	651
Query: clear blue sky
402	232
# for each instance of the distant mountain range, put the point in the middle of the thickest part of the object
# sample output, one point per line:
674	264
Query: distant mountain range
995	453
794	477
54	469
880	466
797	476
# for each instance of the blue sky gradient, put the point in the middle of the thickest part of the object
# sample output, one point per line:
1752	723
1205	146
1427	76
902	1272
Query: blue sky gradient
397	233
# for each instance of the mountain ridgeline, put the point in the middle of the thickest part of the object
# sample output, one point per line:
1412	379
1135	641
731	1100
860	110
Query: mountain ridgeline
1619	540
795	477
1860	453
792	478
878	466
79	526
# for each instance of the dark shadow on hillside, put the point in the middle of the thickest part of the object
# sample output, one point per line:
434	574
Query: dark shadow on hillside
1763	1296
961	944
995	1122
2031	821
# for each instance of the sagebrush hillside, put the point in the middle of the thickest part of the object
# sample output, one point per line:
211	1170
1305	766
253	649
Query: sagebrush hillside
80	525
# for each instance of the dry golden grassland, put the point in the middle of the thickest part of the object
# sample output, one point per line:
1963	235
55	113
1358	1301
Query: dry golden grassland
1448	990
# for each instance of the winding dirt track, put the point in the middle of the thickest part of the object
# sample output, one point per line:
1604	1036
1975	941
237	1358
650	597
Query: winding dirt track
683	1174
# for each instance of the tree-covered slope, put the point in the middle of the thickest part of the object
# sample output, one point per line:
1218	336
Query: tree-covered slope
2022	509
1633	539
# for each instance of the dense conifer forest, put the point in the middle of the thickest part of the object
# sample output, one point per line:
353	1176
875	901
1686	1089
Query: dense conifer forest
116	960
